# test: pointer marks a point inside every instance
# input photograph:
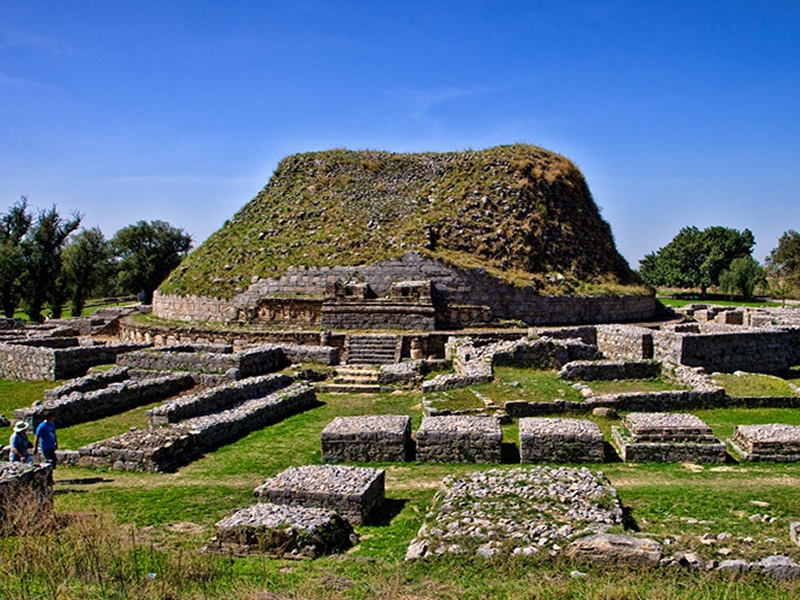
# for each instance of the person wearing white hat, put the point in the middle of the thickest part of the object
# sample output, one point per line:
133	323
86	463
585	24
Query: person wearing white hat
19	444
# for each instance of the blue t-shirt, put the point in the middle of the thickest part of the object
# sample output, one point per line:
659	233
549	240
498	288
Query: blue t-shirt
46	432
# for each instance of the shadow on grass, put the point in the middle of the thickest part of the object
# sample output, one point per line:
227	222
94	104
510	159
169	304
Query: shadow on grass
628	522
509	453
82	481
388	510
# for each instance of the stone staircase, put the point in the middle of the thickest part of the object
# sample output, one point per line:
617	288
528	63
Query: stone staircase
372	349
353	379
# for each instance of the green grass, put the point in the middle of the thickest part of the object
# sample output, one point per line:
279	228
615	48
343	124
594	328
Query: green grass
75	436
632	385
680	303
20	394
753	384
174	516
457	399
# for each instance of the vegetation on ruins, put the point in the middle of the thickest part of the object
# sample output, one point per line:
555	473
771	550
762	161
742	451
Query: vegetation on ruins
147	252
783	265
520	212
696	258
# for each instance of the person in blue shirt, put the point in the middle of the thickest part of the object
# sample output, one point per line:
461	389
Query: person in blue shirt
19	444
45	439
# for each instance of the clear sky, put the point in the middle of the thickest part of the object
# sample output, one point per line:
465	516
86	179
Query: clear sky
678	113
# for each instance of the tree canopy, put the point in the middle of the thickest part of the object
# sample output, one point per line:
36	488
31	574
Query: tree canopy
148	251
696	258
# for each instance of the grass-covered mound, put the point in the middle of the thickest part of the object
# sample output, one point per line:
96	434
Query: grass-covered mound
521	212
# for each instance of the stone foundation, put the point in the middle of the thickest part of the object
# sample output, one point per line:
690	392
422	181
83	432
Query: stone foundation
559	440
353	492
384	438
667	437
247	363
216	399
282	531
456	439
773	442
80	407
168	447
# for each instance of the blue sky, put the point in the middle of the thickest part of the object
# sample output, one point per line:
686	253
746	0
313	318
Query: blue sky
678	113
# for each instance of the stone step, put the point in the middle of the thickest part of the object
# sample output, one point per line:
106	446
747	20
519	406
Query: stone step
372	349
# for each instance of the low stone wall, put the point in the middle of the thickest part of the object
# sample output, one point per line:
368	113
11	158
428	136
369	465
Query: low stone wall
248	363
456	439
353	492
171	446
374	438
80	407
665	437
559	440
88	383
378	314
603	370
216	399
282	531
36	363
26	492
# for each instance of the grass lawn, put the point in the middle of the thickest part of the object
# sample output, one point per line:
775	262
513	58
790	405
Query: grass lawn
19	394
753	384
139	523
632	385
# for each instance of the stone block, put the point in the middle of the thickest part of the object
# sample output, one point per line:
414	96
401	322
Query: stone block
282	530
559	440
353	492
378	438
773	442
667	437
455	439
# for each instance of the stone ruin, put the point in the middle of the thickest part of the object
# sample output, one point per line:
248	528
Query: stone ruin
773	442
559	440
667	437
521	511
27	487
375	438
353	492
453	439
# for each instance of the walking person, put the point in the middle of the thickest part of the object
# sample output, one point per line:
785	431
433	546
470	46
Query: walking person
19	444
46	439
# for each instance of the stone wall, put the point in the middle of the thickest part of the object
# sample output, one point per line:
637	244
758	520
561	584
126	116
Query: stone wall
167	447
36	363
604	370
731	349
450	286
80	407
26	491
248	363
88	383
216	399
625	342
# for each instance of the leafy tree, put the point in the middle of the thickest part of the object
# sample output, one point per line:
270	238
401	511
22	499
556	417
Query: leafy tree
784	260
147	253
696	258
41	251
743	276
86	265
13	226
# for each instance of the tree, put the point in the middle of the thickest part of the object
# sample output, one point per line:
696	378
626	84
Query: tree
41	251
743	276
784	260
147	253
13	227
86	265
696	258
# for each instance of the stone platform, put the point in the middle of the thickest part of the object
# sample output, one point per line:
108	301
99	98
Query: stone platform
353	492
282	530
774	442
374	438
667	437
455	439
26	491
559	440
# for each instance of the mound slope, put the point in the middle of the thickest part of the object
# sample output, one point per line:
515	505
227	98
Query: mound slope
521	212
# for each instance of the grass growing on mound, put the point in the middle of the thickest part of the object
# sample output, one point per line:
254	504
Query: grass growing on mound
753	384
